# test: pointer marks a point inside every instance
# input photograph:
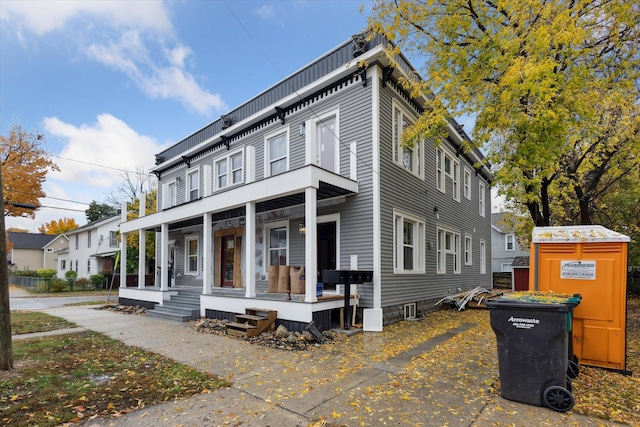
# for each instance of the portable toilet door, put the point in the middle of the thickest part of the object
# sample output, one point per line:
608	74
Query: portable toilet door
591	261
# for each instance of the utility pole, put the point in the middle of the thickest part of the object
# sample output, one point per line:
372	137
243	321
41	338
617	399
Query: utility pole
6	350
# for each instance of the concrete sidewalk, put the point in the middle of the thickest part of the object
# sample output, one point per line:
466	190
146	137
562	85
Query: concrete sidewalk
281	388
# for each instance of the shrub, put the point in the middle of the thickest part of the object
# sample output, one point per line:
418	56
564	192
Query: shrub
97	280
26	273
57	285
47	273
82	283
71	275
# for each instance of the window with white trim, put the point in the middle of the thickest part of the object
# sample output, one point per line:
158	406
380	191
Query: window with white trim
192	255
509	242
468	260
467	184
193	185
278	242
409	247
483	255
448	247
88	266
277	153
481	194
77	241
409	158
506	267
440	169
63	264
173	194
88	239
229	171
455	176
49	249
76	266
113	239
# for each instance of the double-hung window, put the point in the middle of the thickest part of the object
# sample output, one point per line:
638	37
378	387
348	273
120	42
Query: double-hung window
89	239
509	242
277	153
455	176
467	184
193	185
409	247
409	158
448	247
440	170
481	193
483	257
173	194
113	239
192	257
278	241
229	171
467	251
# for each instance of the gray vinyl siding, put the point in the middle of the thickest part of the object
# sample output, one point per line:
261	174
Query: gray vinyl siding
403	191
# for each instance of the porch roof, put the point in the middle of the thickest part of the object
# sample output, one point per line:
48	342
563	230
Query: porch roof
286	189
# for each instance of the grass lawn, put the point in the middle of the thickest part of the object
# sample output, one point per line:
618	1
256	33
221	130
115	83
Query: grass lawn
27	322
67	378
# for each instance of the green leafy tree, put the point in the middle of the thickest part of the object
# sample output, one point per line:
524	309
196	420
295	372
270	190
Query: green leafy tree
98	211
553	85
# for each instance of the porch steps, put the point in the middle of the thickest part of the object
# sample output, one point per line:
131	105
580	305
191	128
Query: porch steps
253	322
183	307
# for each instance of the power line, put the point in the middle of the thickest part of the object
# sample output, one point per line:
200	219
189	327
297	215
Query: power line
90	164
62	209
50	197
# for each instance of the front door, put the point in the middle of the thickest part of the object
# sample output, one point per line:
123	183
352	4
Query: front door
228	256
327	246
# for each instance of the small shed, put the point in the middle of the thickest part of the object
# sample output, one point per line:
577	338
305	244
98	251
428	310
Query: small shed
520	273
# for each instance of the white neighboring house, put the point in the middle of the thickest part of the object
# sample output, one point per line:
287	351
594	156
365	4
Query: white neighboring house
505	246
92	248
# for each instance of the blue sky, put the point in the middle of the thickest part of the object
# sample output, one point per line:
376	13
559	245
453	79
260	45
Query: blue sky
111	83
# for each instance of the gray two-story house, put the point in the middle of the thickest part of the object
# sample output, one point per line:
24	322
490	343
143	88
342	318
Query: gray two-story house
311	172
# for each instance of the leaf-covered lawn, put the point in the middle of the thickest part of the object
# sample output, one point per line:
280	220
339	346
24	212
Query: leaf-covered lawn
26	322
68	378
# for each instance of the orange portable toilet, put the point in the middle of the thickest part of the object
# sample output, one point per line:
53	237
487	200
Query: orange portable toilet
589	260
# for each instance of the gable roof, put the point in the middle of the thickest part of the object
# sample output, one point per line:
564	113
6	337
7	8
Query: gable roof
93	224
30	240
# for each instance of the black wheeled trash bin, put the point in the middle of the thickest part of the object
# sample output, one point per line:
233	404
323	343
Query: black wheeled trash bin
533	347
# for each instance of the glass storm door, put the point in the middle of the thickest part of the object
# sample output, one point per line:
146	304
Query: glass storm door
228	255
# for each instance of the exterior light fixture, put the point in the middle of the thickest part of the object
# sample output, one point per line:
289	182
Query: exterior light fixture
302	229
437	212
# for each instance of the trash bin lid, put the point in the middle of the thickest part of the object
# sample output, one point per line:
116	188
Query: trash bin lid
544	297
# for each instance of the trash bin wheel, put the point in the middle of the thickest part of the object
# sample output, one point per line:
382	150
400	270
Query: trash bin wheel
558	398
573	370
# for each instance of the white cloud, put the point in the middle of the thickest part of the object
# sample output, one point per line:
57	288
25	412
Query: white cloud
266	12
44	16
108	142
169	80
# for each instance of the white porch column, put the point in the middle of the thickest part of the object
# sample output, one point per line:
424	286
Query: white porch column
164	257
207	254
142	246
250	250
123	248
310	244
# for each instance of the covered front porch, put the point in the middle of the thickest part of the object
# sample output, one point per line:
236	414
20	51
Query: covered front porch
223	244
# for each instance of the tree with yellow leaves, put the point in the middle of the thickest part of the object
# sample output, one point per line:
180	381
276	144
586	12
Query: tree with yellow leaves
553	85
59	226
24	168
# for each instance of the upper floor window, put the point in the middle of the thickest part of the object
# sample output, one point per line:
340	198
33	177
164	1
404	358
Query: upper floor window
277	153
173	194
89	239
193	185
410	158
409	243
467	184
77	242
49	249
113	239
229	171
192	256
278	241
481	204
509	242
455	176
440	169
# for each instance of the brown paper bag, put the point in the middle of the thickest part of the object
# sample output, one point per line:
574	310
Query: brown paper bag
283	278
297	278
272	284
